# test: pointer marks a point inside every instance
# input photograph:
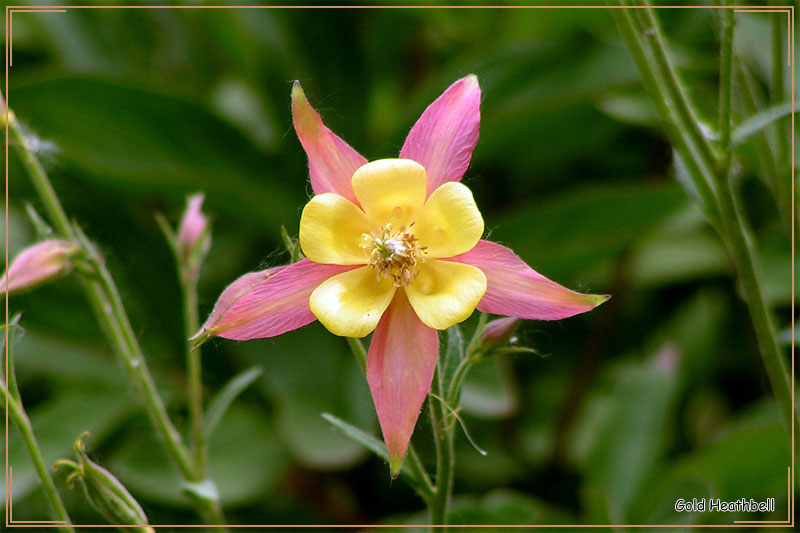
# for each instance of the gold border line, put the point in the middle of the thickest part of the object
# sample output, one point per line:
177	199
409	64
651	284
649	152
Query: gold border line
789	10
11	28
788	28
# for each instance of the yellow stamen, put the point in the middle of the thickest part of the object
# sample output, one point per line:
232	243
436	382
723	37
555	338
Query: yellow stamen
394	254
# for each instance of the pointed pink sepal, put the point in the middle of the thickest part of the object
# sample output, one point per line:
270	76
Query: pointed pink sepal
275	305
400	365
331	161
515	289
443	138
234	292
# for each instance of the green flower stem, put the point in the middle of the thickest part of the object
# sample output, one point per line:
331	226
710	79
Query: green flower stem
358	350
682	108
725	89
194	368
654	85
445	457
107	305
750	103
23	423
647	47
777	87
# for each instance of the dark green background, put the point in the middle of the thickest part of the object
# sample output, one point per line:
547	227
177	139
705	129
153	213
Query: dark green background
657	395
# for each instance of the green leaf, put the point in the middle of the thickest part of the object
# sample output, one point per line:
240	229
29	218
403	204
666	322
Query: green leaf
453	355
226	395
759	121
370	442
631	442
564	236
748	458
158	142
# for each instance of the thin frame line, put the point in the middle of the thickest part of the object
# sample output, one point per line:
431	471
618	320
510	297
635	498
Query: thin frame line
736	9
11	36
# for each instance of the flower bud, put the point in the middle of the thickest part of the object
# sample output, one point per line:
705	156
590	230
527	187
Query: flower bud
104	491
37	264
499	331
194	236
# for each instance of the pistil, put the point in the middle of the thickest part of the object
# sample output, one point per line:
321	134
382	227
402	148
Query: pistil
394	254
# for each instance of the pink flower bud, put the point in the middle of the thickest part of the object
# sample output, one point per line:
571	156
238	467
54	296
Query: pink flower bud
38	264
193	228
499	331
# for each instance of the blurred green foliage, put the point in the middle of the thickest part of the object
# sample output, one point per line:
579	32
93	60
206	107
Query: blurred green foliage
655	396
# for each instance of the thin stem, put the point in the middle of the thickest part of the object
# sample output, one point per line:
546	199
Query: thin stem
426	489
725	89
104	298
194	368
358	350
682	107
23	423
445	458
460	373
652	80
777	87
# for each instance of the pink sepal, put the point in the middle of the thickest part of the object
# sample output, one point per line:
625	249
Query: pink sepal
443	138
276	305
515	289
331	161
234	292
400	365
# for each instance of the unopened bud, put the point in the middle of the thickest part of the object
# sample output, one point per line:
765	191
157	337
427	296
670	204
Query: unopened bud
104	491
194	237
37	264
498	332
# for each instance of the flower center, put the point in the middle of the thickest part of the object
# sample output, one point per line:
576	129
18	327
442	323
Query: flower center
394	254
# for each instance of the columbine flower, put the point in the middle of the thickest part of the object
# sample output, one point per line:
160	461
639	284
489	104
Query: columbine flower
393	246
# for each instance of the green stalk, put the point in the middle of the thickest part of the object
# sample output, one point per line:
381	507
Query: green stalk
104	298
445	457
194	369
17	413
23	423
725	89
647	48
777	88
654	86
358	350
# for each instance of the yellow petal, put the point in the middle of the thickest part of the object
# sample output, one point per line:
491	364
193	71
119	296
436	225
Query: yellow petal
331	230
449	223
446	292
350	304
390	190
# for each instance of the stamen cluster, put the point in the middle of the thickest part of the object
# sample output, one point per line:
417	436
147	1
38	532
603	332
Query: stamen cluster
394	254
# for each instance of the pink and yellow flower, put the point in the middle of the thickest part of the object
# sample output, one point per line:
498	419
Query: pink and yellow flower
393	247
